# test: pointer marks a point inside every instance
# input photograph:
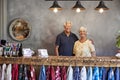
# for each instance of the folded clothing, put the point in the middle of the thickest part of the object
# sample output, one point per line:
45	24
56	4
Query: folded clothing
27	52
118	55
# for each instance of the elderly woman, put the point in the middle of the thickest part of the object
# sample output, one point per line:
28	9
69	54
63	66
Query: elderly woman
84	46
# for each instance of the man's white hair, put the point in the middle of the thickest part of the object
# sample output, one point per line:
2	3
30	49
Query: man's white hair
67	22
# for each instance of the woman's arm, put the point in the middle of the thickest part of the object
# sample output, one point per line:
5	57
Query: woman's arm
93	54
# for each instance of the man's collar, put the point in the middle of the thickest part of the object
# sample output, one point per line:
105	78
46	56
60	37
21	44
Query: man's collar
65	34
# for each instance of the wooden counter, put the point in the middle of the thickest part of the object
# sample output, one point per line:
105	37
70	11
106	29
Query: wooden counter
64	61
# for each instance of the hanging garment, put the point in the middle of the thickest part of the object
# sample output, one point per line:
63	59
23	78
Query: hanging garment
57	73
3	72
117	73
76	73
70	73
95	73
32	73
104	76
110	74
89	73
0	72
52	73
83	73
8	73
25	76
20	76
100	73
63	73
48	73
15	72
42	75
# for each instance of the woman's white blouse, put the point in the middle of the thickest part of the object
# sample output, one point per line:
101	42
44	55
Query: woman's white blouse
83	49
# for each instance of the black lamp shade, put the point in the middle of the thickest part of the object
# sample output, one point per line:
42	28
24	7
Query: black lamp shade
101	5
55	5
78	5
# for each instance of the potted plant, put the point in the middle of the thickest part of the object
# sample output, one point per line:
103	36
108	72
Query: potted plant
118	41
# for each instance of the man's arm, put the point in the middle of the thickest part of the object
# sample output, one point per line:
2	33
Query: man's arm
57	43
56	50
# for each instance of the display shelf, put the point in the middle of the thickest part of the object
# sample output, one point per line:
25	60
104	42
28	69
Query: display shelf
63	61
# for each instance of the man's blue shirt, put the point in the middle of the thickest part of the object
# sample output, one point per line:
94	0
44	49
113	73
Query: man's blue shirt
66	43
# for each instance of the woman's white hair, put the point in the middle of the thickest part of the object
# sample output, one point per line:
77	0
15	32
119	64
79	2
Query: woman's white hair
83	29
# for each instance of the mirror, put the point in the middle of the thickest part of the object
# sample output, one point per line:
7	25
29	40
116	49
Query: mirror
19	29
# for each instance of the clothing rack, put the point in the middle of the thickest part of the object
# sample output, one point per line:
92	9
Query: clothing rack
63	61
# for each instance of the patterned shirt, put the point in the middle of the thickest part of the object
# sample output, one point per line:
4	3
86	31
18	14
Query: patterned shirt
83	49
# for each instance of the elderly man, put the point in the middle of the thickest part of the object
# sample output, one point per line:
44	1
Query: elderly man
65	41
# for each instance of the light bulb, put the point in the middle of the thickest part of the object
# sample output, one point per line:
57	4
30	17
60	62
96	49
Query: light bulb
55	10
78	10
101	10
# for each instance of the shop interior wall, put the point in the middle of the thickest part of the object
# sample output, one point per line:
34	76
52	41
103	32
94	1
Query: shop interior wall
46	25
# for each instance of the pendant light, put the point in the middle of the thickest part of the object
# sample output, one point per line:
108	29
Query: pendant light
78	7
55	7
101	7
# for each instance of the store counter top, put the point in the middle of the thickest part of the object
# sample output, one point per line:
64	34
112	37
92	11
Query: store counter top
111	61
